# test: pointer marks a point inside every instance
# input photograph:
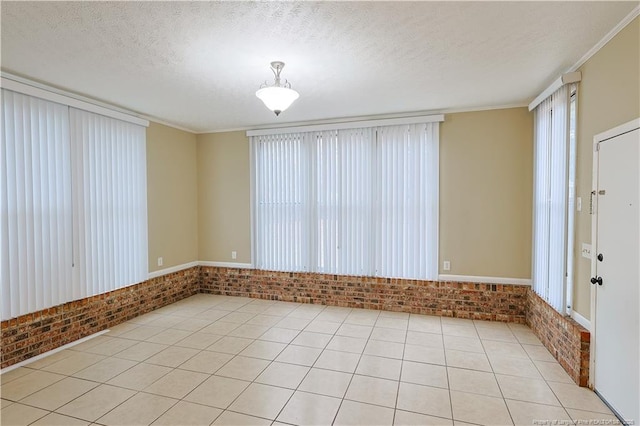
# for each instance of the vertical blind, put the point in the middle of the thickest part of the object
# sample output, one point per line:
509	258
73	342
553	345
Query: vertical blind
110	193
551	174
36	204
73	204
357	201
343	195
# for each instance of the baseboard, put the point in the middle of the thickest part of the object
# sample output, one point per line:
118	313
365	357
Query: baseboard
484	280
226	264
51	352
172	269
581	320
442	277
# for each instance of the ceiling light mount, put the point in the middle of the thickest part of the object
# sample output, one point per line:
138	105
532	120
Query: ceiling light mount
278	96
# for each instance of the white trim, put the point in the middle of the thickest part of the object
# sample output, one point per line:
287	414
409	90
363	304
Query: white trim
172	269
51	352
571	77
226	264
484	280
364	117
629	126
349	125
600	137
166	123
594	233
43	91
441	277
595	49
607	38
581	320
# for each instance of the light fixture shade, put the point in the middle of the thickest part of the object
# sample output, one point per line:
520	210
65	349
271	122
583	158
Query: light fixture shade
277	99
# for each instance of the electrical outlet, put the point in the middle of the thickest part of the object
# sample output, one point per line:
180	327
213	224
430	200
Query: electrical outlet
586	250
160	261
234	254
446	265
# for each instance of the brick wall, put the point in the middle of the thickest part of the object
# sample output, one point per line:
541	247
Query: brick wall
567	340
452	299
33	334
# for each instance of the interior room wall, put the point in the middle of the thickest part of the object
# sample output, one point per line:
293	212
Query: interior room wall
485	193
608	95
172	196
224	203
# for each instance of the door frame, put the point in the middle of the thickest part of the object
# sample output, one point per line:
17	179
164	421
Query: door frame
600	137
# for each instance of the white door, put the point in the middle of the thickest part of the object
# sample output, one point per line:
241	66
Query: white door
617	274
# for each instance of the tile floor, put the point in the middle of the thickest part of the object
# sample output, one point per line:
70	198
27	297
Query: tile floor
236	361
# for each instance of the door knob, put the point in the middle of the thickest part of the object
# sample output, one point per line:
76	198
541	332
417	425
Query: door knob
596	280
600	257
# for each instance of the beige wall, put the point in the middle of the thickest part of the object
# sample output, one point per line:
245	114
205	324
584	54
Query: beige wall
224	213
486	172
608	95
199	193
172	196
485	192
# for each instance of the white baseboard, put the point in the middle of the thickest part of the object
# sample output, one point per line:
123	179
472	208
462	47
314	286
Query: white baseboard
442	277
51	352
226	264
581	320
484	280
172	269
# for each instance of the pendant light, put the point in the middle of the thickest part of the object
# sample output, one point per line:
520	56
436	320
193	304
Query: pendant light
278	96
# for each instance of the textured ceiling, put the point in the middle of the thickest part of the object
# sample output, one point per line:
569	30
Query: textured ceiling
198	64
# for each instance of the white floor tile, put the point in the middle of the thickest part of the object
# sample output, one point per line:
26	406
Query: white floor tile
141	409
59	393
372	390
206	362
97	402
406	418
424	400
295	363
188	414
338	361
283	375
261	401
310	409
218	392
326	382
300	355
384	368
358	414
243	368
479	409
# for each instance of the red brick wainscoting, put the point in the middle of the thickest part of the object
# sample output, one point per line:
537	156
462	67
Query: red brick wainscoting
495	302
567	340
33	334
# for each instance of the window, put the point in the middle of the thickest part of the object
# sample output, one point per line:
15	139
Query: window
554	198
353	201
73	202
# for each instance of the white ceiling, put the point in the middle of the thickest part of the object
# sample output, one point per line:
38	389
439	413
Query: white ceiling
198	64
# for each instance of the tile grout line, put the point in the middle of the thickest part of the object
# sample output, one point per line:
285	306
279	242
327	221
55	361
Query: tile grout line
335	417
